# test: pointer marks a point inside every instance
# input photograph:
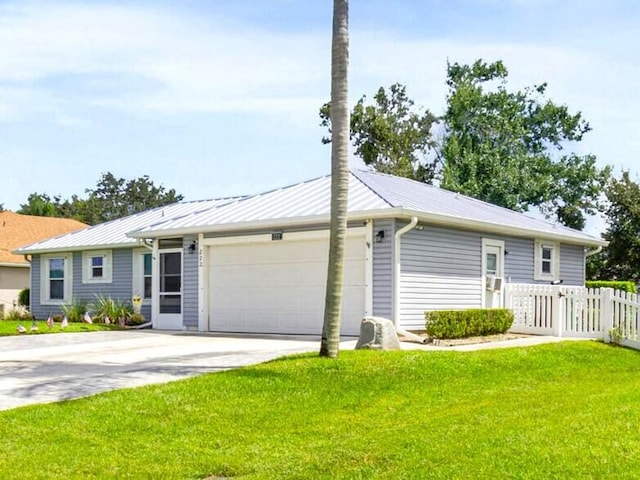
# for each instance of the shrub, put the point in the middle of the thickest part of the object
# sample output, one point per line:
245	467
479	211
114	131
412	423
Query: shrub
74	310
18	314
625	285
136	319
468	323
24	297
108	307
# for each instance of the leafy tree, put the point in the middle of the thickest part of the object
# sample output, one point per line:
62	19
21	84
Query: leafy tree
390	135
620	260
111	198
330	342
40	204
504	147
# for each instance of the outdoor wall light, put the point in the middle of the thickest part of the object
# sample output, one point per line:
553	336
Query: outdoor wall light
192	247
379	236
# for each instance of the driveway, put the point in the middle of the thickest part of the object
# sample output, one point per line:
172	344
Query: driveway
49	368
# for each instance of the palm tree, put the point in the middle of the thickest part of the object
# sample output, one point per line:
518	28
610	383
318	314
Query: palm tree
339	178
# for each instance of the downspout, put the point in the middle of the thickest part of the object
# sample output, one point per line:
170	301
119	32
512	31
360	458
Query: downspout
396	281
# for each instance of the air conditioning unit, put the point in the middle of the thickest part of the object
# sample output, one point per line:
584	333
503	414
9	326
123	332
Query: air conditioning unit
493	283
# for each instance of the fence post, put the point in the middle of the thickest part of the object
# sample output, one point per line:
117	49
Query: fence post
557	318
606	312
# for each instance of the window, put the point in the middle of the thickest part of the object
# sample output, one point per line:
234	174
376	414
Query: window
96	267
547	260
55	279
142	273
146	275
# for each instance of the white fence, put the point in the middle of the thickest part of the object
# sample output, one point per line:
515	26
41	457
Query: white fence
575	312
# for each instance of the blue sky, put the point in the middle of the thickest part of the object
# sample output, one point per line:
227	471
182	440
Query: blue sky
220	97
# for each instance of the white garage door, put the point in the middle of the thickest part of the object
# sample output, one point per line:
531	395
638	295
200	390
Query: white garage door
278	286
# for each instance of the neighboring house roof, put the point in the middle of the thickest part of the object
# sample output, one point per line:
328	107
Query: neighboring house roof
113	234
371	195
17	230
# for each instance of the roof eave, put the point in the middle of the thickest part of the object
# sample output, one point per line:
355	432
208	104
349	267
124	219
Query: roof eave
523	232
76	248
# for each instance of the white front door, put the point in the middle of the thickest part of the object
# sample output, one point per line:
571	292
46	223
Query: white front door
169	290
493	272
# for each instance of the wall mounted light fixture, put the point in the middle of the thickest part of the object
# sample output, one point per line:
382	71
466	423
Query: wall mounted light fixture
192	247
379	236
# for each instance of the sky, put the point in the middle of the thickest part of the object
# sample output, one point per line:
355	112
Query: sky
217	98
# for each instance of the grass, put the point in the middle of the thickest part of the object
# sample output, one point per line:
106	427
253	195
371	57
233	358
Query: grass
566	410
9	327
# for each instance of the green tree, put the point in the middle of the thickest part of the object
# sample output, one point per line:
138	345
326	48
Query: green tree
40	204
391	135
330	342
620	260
112	198
505	147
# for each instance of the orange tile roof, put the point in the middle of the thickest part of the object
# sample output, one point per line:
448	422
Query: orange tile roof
18	230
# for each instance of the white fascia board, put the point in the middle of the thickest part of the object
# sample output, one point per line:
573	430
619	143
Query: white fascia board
434	218
497	228
17	265
77	248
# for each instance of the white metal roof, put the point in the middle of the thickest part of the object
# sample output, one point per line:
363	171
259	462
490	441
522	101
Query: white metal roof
371	195
114	233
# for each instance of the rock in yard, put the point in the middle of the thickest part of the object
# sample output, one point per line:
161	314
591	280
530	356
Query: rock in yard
377	333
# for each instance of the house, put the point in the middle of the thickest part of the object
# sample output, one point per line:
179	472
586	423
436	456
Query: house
17	230
258	263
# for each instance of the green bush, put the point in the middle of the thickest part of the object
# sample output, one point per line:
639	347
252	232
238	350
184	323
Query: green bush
74	310
625	285
468	323
24	297
18	314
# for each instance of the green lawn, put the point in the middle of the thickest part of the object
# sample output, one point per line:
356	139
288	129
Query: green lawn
9	327
566	410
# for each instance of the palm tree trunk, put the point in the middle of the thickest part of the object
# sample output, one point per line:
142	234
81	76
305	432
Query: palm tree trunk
339	178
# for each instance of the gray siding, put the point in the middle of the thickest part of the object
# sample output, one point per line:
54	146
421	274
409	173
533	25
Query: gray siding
383	269
441	270
572	269
189	285
37	310
518	259
120	286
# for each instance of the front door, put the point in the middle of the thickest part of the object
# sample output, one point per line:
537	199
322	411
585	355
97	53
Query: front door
170	290
493	272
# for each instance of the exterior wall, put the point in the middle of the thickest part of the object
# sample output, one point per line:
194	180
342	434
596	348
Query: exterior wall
440	270
383	269
572	265
190	284
12	280
119	288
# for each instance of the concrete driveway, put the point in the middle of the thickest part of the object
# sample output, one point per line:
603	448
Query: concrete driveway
49	368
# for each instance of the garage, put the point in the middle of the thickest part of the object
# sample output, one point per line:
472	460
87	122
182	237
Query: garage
276	283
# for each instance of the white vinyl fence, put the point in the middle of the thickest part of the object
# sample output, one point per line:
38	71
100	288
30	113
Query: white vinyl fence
604	313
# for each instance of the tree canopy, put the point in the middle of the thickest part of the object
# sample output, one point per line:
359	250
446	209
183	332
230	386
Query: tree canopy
620	260
112	198
505	147
392	135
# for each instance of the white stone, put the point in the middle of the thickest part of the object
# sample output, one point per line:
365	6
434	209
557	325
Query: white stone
377	333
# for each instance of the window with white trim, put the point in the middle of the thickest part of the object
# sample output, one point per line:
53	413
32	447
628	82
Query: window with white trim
142	273
55	279
547	260
96	267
